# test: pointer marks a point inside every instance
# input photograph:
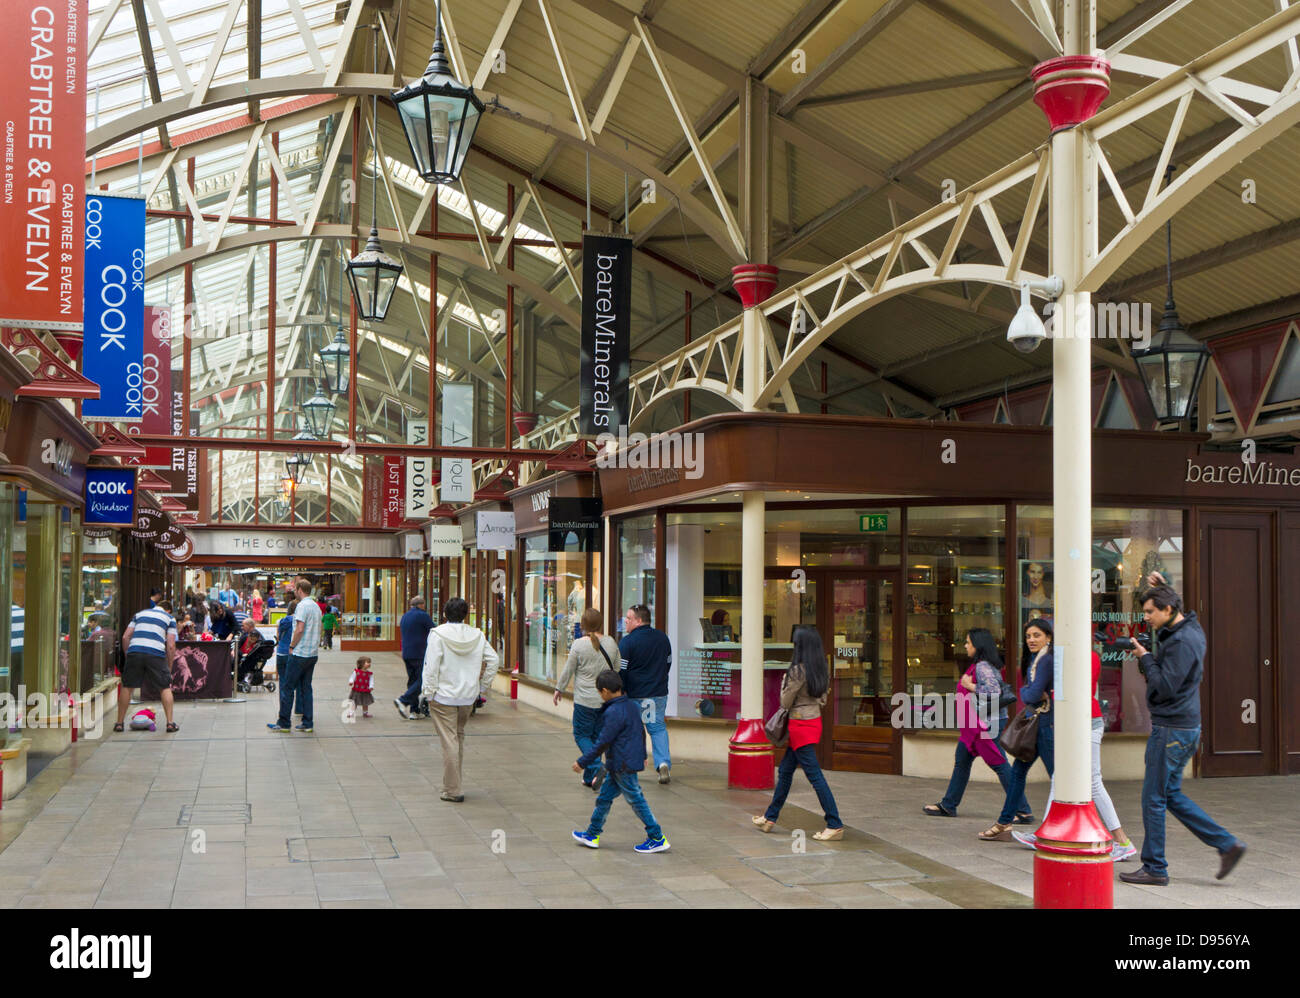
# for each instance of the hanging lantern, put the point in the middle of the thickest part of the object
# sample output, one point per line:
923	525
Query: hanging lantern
319	410
1173	363
439	115
296	465
335	357
373	275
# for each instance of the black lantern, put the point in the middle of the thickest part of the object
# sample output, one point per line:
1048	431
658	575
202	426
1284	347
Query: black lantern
372	273
319	410
296	465
439	115
335	356
1173	363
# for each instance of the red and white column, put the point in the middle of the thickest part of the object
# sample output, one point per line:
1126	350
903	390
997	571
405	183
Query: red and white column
1072	867
750	756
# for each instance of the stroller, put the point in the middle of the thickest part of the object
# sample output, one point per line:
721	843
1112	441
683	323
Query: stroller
251	667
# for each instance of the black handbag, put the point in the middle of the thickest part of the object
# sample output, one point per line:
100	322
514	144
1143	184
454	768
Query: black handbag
778	727
1020	739
1006	696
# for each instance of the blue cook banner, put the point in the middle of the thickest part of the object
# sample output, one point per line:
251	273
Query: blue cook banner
113	355
110	497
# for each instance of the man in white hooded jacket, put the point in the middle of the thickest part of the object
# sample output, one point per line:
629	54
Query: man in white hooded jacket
459	664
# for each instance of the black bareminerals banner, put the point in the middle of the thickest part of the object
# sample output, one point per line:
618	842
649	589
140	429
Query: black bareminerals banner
606	332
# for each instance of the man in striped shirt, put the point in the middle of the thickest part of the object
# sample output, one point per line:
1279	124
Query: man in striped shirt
150	642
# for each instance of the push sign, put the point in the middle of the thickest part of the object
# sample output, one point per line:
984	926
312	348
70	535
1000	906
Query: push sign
110	497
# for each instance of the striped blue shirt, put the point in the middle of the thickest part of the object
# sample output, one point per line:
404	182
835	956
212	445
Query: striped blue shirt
152	628
16	628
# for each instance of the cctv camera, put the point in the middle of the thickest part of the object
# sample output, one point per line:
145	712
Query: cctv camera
1027	330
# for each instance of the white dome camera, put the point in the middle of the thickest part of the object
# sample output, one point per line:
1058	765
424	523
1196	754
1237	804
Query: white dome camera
1027	330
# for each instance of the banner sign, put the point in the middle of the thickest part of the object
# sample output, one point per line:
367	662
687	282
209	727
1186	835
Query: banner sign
444	540
149	525
606	333
583	517
201	670
156	388
43	170
186	467
494	530
110	497
372	491
457	483
419	489
413	547
174	538
113	353
266	542
183	552
393	492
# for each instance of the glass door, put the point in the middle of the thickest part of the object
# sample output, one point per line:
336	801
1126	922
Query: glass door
860	625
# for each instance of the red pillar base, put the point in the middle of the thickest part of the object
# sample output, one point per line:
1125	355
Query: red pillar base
514	684
1072	866
751	761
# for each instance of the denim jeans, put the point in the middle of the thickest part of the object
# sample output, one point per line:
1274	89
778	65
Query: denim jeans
804	757
297	678
961	765
628	785
654	714
585	720
1017	802
414	682
1168	750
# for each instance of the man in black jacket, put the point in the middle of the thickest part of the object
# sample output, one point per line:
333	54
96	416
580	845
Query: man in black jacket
647	656
1173	677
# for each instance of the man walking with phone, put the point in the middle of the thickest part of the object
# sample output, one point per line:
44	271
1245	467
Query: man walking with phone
1173	675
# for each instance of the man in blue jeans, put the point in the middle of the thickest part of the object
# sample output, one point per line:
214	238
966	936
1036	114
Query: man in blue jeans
1173	677
647	656
304	647
415	626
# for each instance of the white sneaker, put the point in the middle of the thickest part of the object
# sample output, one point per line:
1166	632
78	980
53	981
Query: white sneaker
1122	852
402	709
1027	839
664	773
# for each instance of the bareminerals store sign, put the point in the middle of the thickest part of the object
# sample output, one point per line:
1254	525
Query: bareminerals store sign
1239	472
256	543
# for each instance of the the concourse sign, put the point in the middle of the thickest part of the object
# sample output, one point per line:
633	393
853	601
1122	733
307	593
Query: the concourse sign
113	353
606	333
110	497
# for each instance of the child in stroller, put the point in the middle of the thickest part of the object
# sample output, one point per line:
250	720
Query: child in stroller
251	664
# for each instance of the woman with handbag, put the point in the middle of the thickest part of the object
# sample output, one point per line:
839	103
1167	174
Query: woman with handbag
589	656
803	695
981	693
1036	695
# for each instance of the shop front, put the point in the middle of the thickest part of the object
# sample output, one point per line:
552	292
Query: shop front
43	455
896	538
482	574
559	552
361	573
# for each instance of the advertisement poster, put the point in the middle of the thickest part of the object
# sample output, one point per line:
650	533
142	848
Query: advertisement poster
606	333
394	492
1035	590
372	491
43	170
201	670
457	431
113	352
419	489
156	387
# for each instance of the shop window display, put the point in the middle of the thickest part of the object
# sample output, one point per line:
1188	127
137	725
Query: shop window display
555	594
955	581
1127	545
636	581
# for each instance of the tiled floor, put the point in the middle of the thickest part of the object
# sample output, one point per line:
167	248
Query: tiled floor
224	814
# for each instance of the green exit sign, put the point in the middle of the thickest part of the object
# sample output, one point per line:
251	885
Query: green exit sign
873	522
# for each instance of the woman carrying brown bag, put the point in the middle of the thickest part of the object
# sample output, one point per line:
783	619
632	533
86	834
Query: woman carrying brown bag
803	693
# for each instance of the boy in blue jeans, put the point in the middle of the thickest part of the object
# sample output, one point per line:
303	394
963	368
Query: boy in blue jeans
621	736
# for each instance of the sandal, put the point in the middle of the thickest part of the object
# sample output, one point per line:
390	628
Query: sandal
938	811
172	727
997	833
761	823
829	834
118	727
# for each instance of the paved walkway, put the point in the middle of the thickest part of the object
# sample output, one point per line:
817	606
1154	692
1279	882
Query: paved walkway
224	814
